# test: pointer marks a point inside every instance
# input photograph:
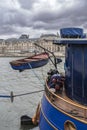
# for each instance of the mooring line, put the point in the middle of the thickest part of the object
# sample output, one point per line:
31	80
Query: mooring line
11	96
5	96
17	95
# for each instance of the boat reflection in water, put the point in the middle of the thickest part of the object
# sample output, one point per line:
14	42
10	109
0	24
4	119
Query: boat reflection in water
67	110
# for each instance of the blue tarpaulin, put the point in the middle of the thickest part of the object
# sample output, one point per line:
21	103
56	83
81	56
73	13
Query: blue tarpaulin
71	32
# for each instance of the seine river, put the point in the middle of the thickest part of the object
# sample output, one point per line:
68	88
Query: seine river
20	82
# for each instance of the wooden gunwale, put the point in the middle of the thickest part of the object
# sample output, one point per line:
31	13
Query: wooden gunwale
70	107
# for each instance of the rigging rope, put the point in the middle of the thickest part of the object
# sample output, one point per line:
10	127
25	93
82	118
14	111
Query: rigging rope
11	96
43	75
35	74
17	95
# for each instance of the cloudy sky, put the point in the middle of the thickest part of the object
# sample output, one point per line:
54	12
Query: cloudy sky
36	17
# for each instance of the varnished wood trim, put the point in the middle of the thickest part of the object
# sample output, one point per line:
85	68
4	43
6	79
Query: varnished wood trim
68	100
64	111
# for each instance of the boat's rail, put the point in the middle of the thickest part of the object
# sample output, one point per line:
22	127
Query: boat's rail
75	39
66	105
70	41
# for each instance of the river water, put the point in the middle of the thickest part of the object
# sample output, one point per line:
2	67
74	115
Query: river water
24	82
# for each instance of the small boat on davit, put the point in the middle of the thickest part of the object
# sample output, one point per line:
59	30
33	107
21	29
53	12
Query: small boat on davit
34	61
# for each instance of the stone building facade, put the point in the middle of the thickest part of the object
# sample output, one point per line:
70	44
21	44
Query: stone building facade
26	47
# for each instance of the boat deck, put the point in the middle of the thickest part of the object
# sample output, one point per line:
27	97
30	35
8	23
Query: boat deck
66	105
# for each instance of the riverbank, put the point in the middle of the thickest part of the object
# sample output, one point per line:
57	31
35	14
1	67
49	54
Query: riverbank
57	54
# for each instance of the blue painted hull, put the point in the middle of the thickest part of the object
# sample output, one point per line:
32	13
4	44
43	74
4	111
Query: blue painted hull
33	64
51	118
68	110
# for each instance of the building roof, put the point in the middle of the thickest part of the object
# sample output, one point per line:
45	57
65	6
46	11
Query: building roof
48	35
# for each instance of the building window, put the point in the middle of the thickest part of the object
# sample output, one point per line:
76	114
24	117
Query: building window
58	48
68	125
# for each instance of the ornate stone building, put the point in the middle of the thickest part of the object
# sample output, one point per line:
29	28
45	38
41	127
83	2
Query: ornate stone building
26	47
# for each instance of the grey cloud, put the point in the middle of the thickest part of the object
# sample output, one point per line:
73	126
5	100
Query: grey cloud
26	4
7	30
74	16
42	19
16	18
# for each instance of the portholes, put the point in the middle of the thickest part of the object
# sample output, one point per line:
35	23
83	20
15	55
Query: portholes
69	125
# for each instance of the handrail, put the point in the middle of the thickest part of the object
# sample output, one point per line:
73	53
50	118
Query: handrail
68	101
82	39
67	105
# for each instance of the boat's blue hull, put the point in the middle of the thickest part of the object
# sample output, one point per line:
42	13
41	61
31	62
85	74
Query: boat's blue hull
33	64
53	119
67	109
